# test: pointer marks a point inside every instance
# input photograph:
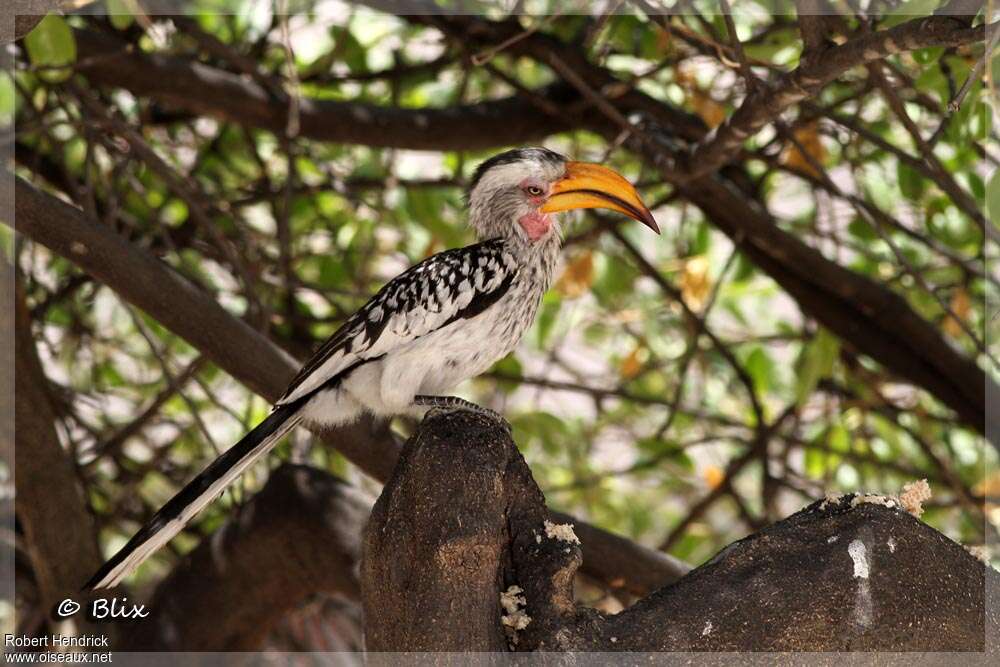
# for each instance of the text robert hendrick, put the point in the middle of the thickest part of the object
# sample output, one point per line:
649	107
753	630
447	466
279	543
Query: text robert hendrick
55	641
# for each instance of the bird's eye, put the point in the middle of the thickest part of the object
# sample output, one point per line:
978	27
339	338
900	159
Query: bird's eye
534	191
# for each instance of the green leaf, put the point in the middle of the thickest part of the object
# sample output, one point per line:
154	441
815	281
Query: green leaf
350	50
52	45
929	55
815	463
861	230
547	316
911	183
702	239
815	363
839	439
8	98
509	366
744	270
977	187
760	368
121	13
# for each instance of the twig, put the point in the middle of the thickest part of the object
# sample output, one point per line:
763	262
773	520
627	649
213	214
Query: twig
741	58
484	57
293	124
975	74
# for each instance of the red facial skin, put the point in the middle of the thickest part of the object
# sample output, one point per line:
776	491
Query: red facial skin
535	224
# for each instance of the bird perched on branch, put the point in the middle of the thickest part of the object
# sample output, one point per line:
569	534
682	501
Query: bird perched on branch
443	321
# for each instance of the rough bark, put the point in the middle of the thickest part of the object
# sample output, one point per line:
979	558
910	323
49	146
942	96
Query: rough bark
432	569
461	519
300	536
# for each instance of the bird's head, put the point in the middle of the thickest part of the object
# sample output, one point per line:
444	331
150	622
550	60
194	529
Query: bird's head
517	194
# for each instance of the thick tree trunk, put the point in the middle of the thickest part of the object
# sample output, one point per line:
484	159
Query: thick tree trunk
461	520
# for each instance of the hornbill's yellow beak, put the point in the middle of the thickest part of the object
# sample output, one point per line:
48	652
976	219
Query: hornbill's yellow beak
589	185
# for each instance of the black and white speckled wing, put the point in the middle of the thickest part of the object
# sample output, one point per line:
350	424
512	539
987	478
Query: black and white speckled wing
452	285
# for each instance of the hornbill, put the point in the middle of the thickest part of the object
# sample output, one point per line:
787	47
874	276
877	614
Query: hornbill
443	321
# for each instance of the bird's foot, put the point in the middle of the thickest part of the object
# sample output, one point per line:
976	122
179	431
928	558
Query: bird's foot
446	404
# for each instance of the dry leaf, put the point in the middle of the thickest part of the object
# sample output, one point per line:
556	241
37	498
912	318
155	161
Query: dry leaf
684	78
631	365
701	102
713	476
578	276
960	305
807	136
695	282
707	109
989	487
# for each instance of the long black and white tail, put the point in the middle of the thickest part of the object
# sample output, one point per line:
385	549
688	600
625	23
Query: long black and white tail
198	493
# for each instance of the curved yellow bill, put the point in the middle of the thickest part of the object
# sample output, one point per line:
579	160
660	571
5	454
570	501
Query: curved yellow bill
589	185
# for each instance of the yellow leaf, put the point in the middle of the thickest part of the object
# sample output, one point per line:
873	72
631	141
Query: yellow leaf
700	101
807	136
631	365
696	284
989	486
713	476
684	78
708	109
578	276
960	305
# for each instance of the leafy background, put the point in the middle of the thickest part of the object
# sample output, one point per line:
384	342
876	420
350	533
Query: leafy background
627	415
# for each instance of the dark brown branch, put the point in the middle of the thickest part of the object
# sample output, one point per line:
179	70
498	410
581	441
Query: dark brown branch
194	87
461	520
812	25
298	537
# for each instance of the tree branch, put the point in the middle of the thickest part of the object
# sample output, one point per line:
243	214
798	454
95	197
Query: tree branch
461	520
812	25
197	88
